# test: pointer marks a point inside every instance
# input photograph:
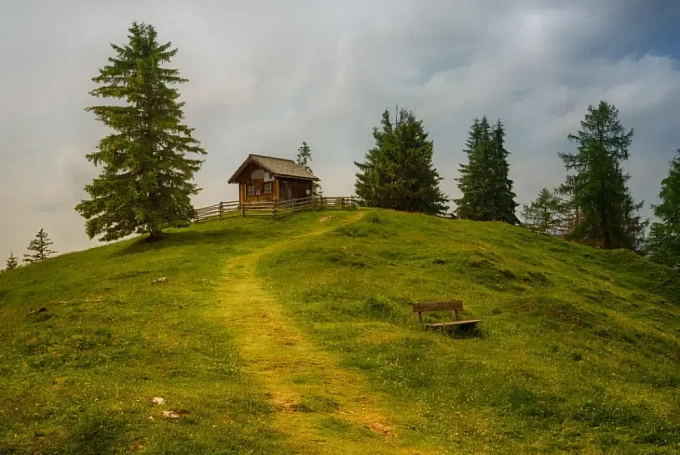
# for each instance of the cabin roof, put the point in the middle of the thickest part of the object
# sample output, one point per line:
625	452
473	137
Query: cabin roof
279	167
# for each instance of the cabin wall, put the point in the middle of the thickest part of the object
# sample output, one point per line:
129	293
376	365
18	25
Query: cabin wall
294	189
258	185
282	189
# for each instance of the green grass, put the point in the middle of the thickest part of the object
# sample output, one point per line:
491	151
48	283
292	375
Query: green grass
578	350
79	377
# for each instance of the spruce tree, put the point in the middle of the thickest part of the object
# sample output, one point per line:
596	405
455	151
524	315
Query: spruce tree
40	246
543	214
398	172
12	262
304	157
484	180
663	245
634	226
504	204
373	176
146	181
597	188
472	175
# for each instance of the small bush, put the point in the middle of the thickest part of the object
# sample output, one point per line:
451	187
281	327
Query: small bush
598	412
378	309
375	218
509	274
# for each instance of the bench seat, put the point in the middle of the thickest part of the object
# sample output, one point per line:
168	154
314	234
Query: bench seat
442	324
454	306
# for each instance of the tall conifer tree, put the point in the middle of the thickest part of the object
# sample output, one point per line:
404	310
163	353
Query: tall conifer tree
473	174
484	180
664	239
597	188
504	204
398	172
146	182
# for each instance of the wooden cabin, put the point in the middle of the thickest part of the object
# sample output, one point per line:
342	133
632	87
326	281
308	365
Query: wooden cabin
269	179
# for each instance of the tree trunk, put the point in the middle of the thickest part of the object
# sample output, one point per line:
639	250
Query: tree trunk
606	231
155	235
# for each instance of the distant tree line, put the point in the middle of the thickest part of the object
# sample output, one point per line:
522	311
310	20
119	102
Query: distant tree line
39	251
398	172
146	182
593	205
663	244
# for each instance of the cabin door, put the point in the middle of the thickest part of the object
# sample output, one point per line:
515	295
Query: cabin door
286	191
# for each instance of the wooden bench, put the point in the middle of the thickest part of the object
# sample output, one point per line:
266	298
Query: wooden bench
454	306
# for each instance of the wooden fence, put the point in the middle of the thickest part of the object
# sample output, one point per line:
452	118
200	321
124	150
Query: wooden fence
221	210
273	209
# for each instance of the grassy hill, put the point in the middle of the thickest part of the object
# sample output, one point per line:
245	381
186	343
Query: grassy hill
296	336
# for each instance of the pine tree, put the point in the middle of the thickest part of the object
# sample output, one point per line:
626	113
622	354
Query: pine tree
303	159
504	204
41	247
145	184
543	214
484	182
597	190
373	176
663	245
634	226
12	262
473	174
398	172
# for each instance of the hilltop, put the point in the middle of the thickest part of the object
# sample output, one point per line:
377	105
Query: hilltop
296	336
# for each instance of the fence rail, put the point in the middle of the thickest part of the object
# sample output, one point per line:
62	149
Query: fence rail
272	208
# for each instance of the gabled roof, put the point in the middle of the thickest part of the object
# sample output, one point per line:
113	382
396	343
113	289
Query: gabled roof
279	167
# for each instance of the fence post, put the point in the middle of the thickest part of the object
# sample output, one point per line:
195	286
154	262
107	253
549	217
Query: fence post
294	205
243	210
221	209
274	210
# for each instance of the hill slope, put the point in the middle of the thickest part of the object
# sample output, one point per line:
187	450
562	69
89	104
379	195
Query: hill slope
296	336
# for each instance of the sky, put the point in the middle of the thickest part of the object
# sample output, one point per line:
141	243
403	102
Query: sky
266	75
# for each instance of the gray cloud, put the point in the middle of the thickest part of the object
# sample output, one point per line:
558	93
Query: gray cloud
265	75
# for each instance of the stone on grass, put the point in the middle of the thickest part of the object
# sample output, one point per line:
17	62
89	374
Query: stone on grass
170	415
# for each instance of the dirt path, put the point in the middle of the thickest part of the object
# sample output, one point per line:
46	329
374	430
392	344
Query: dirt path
321	408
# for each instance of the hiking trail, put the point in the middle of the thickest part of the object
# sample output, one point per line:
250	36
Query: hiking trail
321	408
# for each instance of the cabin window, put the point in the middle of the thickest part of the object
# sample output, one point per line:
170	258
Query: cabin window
250	190
267	188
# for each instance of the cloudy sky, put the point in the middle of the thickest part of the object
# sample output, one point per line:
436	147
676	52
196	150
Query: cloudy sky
266	75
